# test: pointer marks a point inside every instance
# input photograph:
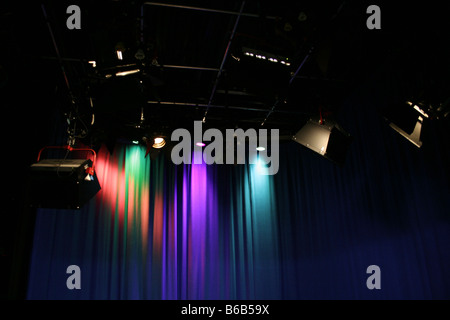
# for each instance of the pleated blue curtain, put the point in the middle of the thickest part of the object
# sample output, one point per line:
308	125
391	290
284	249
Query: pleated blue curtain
160	231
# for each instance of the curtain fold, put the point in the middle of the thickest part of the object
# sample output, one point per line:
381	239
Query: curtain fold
160	231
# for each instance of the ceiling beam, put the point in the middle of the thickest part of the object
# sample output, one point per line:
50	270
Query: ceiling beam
223	60
290	83
245	14
204	105
172	66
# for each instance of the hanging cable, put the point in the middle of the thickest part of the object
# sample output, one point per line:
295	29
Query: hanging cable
71	132
73	115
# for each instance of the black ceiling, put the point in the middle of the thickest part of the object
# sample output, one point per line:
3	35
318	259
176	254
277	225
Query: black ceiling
184	73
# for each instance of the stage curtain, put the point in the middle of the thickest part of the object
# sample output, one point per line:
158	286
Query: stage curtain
157	230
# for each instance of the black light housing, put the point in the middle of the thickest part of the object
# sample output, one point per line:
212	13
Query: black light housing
63	183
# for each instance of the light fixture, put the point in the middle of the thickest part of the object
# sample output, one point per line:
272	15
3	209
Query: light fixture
413	137
417	108
326	138
63	183
200	144
158	142
407	119
260	149
120	49
126	73
263	55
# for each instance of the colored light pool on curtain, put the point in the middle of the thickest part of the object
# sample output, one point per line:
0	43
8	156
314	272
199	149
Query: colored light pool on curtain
160	231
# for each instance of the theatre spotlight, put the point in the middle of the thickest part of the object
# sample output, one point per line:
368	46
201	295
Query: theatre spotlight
326	138
267	56
158	142
154	144
127	72
63	183
120	48
407	119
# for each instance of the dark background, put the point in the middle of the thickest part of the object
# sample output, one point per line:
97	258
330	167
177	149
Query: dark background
408	57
